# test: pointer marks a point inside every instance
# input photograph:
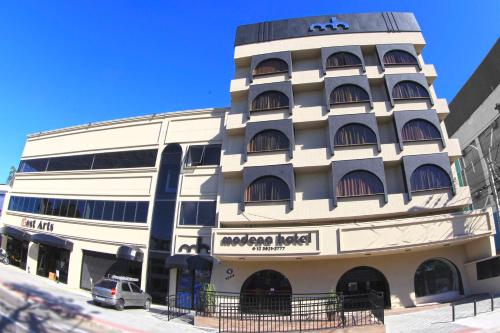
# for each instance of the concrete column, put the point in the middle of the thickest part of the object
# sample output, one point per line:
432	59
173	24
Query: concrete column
75	267
144	271
172	281
32	261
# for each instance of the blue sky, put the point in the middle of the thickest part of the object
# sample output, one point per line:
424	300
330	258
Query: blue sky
73	62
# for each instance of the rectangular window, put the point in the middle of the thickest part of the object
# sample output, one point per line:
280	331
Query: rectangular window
201	213
64	208
80	208
89	209
57	207
126	159
118	212
71	208
130	211
203	155
35	165
65	163
108	211
98	209
488	268
25	202
142	212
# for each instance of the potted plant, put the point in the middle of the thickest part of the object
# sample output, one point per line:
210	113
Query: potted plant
333	305
208	302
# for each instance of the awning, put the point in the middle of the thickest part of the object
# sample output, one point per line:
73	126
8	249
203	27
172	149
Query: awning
54	241
15	233
177	261
130	253
187	261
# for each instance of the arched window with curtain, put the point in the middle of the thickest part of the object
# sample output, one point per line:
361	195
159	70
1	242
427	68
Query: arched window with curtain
409	90
399	57
271	66
429	177
355	134
268	140
343	59
419	130
268	188
270	100
359	183
348	93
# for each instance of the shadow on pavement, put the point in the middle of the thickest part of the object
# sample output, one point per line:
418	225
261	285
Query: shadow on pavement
40	307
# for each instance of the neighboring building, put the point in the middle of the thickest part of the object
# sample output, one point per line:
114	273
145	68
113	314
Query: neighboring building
3	191
331	170
474	121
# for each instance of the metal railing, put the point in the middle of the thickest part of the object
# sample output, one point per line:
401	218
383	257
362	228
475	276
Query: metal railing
479	304
281	312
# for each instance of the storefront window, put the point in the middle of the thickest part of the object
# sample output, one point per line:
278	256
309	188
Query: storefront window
436	276
53	263
189	284
17	251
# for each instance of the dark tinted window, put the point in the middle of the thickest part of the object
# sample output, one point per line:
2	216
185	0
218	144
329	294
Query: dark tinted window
203	155
115	160
80	208
197	213
142	212
125	159
81	162
35	165
98	208
57	207
118	212
64	208
71	208
125	287
488	268
130	211
108	210
89	208
135	288
106	284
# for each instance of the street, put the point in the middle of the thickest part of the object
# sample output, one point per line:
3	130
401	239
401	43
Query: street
33	304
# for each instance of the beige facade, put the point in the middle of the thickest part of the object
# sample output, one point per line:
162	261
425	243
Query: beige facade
315	237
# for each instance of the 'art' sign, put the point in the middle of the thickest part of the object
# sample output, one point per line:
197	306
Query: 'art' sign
38	225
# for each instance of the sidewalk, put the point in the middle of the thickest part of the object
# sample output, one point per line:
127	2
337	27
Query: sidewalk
79	303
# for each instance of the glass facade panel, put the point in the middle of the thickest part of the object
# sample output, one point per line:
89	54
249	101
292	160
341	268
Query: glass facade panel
65	163
108	210
130	208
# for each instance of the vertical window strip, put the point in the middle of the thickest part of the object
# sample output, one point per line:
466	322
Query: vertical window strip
418	130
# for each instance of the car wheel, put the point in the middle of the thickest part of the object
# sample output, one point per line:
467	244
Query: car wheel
147	304
120	304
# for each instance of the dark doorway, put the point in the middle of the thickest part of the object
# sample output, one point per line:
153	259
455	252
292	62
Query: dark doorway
189	284
361	280
53	263
266	291
17	251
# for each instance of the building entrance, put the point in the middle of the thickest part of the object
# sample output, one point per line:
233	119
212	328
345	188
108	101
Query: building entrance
53	263
266	290
189	284
360	280
18	252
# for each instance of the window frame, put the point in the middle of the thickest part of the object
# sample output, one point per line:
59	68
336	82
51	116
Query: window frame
355	144
271	200
268	150
440	138
450	187
399	64
359	195
332	103
428	97
187	164
197	225
360	65
286	71
287	106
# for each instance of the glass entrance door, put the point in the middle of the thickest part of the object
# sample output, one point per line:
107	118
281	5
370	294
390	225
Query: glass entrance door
53	263
189	285
18	252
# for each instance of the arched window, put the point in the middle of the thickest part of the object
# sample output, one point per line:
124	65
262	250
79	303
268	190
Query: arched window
348	93
436	276
270	100
269	188
342	59
268	140
429	177
399	57
266	291
419	130
359	183
355	134
409	90
270	66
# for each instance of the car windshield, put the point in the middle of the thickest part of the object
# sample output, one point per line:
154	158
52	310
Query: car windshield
106	284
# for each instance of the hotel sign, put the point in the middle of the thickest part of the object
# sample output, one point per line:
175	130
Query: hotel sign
257	243
334	24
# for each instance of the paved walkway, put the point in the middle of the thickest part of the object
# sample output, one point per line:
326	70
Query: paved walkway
29	288
439	319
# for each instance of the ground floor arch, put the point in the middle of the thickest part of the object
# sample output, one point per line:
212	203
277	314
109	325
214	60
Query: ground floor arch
266	289
437	280
363	279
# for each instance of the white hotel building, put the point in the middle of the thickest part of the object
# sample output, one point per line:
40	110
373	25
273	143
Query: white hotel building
330	171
